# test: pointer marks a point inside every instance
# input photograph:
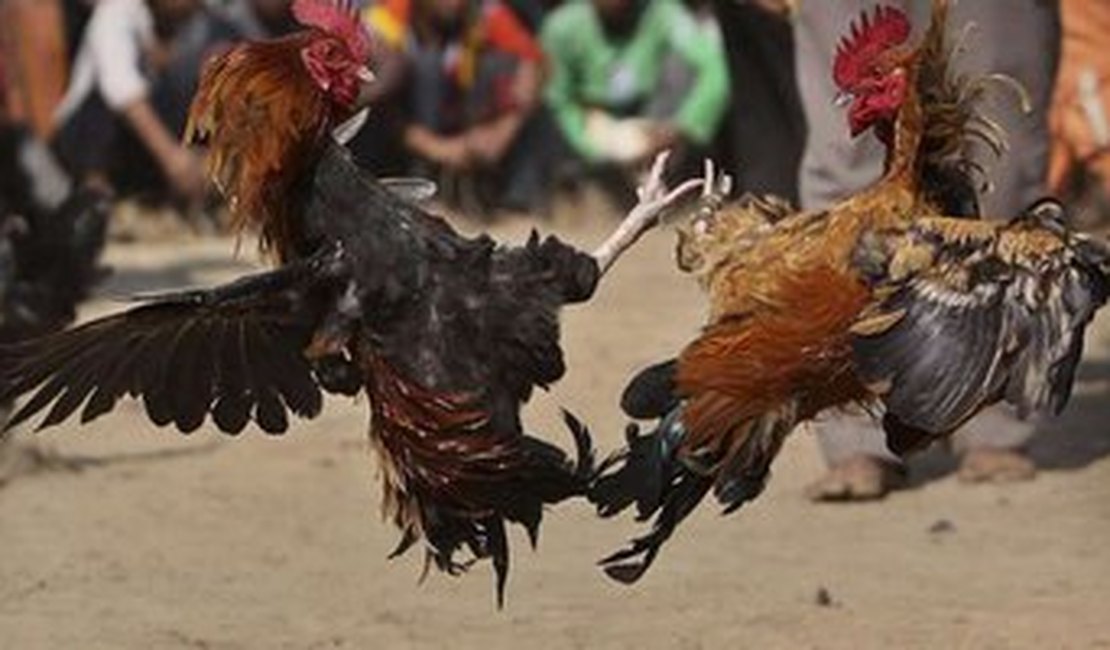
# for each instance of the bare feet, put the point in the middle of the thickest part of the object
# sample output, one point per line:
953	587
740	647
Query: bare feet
990	465
858	478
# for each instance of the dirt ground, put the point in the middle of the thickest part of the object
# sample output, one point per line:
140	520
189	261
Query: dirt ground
119	535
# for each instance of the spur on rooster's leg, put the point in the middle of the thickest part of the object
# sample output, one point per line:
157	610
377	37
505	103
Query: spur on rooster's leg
446	335
900	299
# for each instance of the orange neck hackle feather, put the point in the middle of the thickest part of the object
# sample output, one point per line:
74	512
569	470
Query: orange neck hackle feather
264	118
795	352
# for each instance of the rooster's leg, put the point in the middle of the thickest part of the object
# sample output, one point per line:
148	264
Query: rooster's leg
654	199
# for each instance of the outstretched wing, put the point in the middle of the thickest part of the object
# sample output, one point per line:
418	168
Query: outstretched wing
234	352
973	313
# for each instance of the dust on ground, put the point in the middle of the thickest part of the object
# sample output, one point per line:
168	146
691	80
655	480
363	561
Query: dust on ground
120	535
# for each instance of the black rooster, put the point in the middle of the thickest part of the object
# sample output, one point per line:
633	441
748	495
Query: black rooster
447	335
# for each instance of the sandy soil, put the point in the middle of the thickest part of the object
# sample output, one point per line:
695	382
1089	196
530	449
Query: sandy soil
119	535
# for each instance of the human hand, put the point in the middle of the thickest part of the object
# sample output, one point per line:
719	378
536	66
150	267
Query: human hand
660	137
777	7
185	173
450	152
487	144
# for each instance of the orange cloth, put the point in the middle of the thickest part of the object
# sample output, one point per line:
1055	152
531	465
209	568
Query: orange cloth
33	47
494	26
1079	121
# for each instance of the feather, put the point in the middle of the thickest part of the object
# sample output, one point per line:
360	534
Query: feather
234	350
1000	317
263	120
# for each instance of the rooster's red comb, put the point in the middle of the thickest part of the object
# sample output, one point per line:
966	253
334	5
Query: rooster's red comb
338	18
870	37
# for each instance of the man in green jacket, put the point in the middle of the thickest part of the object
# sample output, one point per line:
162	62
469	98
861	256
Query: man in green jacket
629	78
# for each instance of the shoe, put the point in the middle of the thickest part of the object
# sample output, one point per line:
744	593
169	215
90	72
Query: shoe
993	465
857	478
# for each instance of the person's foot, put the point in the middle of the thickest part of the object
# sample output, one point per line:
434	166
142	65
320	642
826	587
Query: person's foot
991	465
858	478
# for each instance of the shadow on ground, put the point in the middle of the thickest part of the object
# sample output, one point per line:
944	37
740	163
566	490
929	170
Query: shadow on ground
22	459
126	282
1077	438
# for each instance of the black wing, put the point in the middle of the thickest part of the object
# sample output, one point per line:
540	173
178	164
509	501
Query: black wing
998	312
234	351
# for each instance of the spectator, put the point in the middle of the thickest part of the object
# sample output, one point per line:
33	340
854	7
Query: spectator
259	19
32	45
835	165
630	78
1080	118
77	14
470	84
764	130
135	74
32	37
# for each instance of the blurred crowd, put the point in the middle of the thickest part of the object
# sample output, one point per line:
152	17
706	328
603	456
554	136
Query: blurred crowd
502	101
507	102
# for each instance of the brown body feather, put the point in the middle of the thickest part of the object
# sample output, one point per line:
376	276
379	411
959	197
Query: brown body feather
790	357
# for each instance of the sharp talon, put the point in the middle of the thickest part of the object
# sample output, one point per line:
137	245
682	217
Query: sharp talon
683	189
655	180
707	189
660	164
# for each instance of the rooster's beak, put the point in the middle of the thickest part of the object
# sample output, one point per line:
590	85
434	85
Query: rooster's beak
366	90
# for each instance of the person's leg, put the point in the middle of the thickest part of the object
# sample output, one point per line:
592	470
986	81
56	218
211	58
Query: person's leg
85	143
765	128
834	165
991	447
516	181
1020	176
860	466
172	90
524	170
990	444
1079	167
426	88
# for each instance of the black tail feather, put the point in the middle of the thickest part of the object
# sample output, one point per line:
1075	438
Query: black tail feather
665	486
649	474
651	393
629	564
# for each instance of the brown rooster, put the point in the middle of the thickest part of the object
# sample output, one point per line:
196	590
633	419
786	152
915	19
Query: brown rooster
447	335
878	302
